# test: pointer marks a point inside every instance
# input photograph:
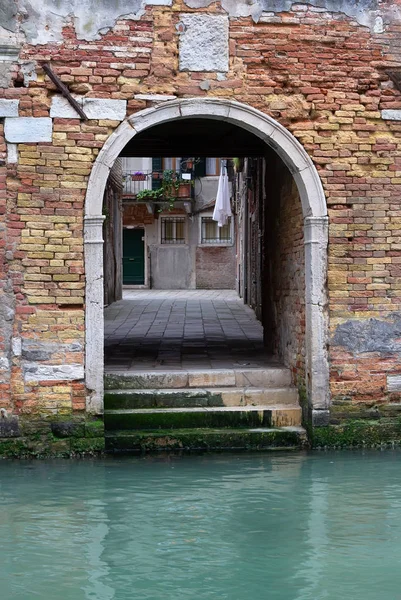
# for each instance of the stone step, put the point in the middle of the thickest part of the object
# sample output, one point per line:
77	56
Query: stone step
199	417
182	398
262	438
276	376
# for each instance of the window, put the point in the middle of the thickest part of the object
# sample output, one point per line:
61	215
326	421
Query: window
211	233
171	163
173	230
212	166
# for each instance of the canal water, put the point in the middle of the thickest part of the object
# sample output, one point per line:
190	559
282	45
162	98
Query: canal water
319	526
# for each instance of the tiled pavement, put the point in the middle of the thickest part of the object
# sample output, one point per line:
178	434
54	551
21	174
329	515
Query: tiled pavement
182	329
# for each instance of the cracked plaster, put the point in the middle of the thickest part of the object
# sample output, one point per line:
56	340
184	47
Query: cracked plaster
42	21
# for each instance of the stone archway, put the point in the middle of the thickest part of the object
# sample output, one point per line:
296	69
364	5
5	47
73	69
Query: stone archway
315	234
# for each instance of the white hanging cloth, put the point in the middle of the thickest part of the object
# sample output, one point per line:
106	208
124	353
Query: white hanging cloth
222	208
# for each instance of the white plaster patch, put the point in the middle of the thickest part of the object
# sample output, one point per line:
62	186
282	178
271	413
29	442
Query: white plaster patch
391	114
12	154
9	108
94	108
28	129
394	383
204	42
378	26
37	372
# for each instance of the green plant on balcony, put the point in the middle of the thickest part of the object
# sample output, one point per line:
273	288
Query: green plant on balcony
172	188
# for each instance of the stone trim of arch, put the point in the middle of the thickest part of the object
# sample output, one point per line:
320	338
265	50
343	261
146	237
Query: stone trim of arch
315	233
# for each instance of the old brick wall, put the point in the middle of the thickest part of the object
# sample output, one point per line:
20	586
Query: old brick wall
285	265
319	73
215	268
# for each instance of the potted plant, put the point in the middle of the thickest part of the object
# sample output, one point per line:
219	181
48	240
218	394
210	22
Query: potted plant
138	176
184	189
175	187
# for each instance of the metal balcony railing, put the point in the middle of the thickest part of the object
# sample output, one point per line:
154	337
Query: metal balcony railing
136	181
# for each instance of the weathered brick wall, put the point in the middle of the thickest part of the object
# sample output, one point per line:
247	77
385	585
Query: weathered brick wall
286	259
319	73
215	268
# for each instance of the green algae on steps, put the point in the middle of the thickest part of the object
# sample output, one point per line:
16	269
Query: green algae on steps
159	419
205	439
158	399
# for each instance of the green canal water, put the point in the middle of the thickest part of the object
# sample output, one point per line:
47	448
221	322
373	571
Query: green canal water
319	526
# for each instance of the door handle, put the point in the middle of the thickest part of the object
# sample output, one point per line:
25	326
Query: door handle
131	259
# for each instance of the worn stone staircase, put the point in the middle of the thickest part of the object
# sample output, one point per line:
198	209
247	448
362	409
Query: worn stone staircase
238	409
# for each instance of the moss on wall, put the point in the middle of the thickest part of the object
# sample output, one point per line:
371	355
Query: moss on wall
59	437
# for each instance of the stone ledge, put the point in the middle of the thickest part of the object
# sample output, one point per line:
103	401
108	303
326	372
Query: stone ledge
154	97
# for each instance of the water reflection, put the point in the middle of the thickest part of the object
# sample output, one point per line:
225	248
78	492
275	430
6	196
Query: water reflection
237	527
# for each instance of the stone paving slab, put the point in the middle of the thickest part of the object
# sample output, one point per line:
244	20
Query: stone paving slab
182	329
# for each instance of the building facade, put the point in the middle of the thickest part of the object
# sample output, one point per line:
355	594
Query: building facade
311	89
175	245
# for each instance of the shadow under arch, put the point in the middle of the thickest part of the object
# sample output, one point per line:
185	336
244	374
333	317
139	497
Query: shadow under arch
314	212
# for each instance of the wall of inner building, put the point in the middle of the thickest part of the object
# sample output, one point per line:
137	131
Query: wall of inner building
183	246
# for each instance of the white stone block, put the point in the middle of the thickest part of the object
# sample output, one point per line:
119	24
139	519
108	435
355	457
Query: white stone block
203	42
394	383
9	108
16	346
39	372
25	130
94	108
391	114
62	109
103	108
12	153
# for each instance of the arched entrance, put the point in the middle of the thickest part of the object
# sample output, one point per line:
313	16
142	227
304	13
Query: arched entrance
315	232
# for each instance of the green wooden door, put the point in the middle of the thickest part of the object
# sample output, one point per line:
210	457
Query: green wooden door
133	256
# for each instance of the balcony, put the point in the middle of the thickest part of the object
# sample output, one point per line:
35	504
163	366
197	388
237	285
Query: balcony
157	187
136	181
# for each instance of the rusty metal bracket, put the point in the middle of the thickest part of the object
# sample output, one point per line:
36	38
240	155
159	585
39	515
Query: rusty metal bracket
64	90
